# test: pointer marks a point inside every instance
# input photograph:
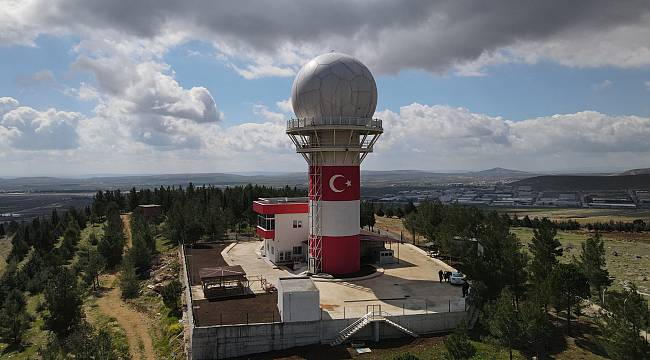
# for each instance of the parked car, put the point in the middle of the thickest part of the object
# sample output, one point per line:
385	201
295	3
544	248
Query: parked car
457	278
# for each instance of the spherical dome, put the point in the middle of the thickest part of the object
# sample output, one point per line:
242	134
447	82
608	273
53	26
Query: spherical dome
334	84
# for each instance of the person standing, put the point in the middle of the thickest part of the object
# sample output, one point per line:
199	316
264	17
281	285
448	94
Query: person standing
440	275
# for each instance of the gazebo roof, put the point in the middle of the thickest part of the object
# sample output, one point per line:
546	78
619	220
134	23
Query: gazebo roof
221	272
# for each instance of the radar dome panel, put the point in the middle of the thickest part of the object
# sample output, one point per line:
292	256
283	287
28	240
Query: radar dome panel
334	84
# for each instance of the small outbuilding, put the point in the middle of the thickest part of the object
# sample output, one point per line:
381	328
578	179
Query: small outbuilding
150	211
224	282
298	299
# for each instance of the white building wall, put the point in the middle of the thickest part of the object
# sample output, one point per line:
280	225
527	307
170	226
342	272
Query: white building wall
286	236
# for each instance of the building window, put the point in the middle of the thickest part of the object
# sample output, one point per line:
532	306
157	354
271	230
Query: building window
299	223
295	224
266	222
272	250
280	256
297	250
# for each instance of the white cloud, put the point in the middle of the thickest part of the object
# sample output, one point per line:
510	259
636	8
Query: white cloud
285	106
602	85
418	136
445	138
24	128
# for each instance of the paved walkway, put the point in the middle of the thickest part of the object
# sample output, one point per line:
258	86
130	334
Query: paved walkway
256	266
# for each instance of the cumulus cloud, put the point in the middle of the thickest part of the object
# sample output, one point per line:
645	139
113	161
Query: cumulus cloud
25	128
259	38
441	137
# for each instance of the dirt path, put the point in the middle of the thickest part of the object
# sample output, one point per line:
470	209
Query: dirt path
134	323
126	225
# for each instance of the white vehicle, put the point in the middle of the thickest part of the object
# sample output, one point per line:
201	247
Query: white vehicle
457	278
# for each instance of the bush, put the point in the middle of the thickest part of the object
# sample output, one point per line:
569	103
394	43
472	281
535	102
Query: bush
171	295
458	345
174	329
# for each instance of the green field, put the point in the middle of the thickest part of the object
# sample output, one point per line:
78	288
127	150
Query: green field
631	262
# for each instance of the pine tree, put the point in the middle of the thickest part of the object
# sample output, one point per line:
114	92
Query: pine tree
592	263
569	286
625	315
545	249
90	264
63	302
129	281
14	318
503	321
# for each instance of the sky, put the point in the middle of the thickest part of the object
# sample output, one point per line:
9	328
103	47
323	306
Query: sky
160	86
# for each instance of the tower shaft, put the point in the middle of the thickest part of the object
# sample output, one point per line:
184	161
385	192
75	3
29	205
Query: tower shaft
334	149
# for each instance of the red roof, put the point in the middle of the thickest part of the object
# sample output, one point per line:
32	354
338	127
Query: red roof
268	206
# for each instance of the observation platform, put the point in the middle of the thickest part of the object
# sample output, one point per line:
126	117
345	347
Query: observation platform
335	122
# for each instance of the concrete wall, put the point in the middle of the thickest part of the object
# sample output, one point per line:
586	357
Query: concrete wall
220	342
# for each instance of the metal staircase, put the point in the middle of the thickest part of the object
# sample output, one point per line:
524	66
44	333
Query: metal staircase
370	317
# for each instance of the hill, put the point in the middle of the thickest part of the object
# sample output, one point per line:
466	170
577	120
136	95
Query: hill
586	182
636	172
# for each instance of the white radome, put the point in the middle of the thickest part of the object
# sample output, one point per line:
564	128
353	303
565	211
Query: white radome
336	85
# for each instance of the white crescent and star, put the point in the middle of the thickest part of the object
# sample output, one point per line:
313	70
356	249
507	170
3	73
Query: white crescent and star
348	183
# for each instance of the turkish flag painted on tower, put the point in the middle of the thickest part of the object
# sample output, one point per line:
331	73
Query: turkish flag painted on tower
340	183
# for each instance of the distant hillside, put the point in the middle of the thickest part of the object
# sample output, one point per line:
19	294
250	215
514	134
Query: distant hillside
585	182
501	172
368	178
636	172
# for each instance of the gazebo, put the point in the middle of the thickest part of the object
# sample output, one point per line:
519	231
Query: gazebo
223	282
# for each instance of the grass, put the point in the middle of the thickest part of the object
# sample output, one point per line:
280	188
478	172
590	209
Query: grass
631	262
5	249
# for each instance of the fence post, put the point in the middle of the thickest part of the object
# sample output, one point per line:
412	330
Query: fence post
220	318
449	305
247	318
426	307
403	309
344	312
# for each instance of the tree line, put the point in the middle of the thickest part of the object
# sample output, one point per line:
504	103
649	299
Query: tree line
515	290
637	225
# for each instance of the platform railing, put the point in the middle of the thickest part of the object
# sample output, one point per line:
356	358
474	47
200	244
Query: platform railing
334	120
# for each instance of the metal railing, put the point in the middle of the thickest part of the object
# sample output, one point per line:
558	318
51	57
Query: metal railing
334	120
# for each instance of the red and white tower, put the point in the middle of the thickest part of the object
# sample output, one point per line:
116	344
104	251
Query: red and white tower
334	97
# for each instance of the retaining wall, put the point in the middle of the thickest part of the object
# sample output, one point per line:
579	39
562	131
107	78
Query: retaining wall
220	342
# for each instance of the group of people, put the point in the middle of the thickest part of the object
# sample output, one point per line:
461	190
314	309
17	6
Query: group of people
444	275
